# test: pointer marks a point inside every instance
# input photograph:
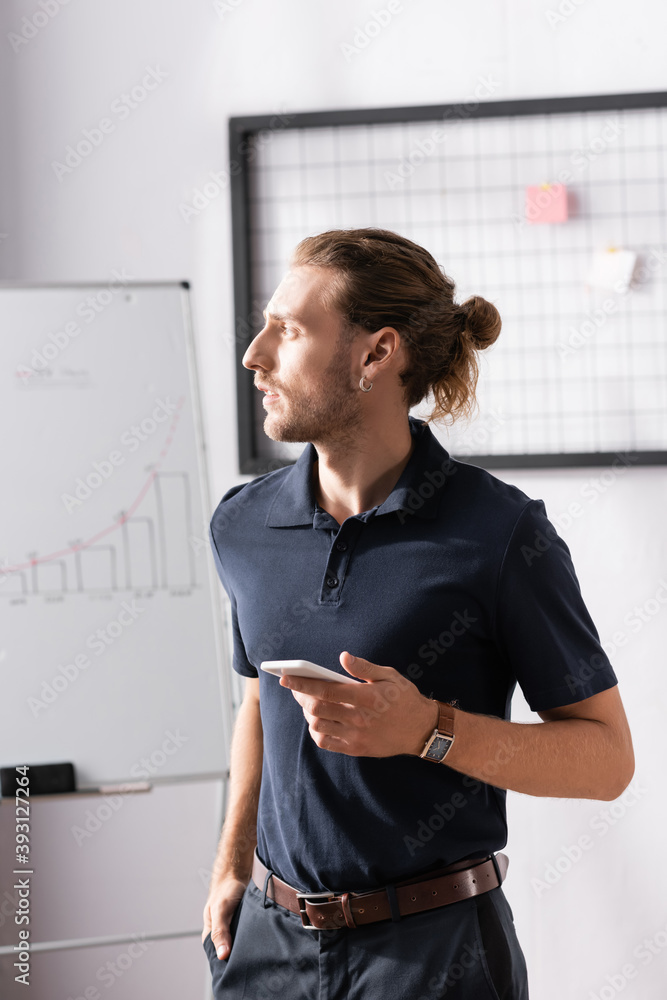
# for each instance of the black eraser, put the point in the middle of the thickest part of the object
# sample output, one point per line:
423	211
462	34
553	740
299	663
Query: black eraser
43	779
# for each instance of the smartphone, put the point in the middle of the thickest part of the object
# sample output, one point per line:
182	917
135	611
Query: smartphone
304	668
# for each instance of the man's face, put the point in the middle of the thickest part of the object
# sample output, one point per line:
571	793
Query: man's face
311	393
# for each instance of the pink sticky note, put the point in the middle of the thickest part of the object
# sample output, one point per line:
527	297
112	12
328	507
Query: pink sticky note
546	203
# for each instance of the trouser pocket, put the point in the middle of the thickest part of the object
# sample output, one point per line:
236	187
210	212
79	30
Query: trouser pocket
208	945
504	958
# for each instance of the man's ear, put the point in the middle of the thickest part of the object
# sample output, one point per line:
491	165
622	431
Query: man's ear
383	345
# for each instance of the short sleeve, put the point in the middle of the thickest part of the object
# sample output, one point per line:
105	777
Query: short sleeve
541	623
240	661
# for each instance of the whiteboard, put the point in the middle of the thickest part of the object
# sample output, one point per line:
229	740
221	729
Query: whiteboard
110	651
579	372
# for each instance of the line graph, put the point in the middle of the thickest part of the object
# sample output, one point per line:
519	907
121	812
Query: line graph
158	556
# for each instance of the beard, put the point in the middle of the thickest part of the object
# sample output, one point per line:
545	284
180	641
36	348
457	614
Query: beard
326	413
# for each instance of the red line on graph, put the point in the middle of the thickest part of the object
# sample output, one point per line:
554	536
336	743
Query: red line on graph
121	520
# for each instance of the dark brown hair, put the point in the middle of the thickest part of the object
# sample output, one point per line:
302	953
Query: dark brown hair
384	279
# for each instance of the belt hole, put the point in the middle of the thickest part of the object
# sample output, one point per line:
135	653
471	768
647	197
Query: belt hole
361	911
413	898
455	886
375	907
434	892
474	880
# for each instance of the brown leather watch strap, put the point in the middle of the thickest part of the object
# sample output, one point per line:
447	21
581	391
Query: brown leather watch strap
328	910
446	719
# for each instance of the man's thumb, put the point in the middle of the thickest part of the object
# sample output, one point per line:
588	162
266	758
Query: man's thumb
221	942
364	669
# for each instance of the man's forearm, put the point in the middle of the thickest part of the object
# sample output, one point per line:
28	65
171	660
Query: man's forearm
567	758
239	832
582	750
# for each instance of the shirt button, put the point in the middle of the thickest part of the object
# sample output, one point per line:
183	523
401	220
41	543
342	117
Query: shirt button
332	581
341	546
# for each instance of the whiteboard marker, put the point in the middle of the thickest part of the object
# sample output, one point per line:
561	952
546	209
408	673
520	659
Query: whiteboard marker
128	786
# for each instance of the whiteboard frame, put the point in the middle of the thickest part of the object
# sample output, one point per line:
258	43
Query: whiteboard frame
241	132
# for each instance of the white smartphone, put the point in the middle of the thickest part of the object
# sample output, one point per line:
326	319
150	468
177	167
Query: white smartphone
304	668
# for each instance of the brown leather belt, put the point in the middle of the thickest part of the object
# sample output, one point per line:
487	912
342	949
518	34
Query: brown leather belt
329	910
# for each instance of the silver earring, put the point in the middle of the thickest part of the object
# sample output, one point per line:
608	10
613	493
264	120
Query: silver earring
363	387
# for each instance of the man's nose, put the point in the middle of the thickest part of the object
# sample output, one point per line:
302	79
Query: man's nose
247	360
254	353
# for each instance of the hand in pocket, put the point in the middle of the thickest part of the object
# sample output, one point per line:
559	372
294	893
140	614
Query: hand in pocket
222	903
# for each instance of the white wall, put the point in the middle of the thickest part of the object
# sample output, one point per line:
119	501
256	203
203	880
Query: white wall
119	209
8	165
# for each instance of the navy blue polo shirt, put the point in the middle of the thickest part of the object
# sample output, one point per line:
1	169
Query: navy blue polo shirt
459	581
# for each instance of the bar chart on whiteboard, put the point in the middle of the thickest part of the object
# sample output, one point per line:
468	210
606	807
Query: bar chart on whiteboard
145	546
106	591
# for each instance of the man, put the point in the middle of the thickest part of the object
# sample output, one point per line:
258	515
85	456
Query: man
438	587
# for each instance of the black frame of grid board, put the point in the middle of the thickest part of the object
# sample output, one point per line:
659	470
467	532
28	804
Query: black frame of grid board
242	130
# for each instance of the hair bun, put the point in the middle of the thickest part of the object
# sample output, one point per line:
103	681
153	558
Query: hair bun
482	321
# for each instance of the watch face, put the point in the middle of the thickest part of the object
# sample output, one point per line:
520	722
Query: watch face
439	748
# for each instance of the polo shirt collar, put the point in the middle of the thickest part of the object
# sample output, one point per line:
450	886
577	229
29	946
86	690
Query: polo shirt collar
417	491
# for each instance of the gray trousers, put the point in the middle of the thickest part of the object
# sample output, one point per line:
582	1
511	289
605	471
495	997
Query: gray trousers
463	951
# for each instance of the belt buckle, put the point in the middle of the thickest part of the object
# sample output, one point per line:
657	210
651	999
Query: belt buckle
306	896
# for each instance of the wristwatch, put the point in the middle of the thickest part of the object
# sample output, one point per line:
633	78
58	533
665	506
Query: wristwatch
439	742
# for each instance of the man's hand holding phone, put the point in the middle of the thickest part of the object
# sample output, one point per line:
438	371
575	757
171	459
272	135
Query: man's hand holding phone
384	715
